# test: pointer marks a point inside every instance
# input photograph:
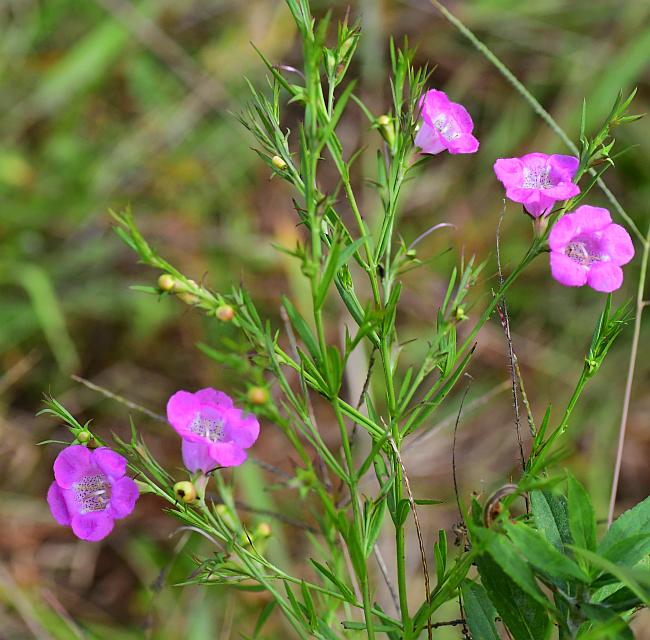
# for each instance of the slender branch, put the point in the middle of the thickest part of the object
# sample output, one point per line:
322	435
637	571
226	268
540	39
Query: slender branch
640	304
423	555
502	308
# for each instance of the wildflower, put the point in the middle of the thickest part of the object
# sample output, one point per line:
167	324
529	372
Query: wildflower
587	248
538	180
215	433
90	491
445	125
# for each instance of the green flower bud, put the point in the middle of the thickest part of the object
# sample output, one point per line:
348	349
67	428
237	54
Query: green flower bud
166	282
84	436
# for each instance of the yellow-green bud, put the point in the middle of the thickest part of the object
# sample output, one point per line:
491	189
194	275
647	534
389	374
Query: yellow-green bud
166	282
387	129
185	491
278	163
263	530
225	313
184	295
258	395
84	436
383	121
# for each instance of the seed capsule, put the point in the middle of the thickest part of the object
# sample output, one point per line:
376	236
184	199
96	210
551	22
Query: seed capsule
258	395
278	163
185	491
225	313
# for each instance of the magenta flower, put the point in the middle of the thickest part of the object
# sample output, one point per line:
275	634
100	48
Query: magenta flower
445	125
215	433
587	248
538	180
90	491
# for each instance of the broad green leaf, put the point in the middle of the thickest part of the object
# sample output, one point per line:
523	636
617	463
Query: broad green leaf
479	611
551	517
633	522
628	551
582	520
524	617
543	555
505	555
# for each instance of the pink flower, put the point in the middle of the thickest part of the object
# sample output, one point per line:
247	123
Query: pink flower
90	491
538	180
215	433
445	125
587	248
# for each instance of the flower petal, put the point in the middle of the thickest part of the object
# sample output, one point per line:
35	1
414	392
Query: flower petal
510	173
110	462
563	231
592	218
92	526
605	277
567	271
429	140
617	244
181	409
462	117
227	454
537	204
71	464
563	168
434	103
124	494
243	428
212	396
467	143
562	191
535	160
196	456
57	504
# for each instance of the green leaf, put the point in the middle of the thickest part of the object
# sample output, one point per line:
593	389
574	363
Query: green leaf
637	580
302	328
264	616
543	555
518	570
479	611
551	517
629	551
633	522
524	617
582	520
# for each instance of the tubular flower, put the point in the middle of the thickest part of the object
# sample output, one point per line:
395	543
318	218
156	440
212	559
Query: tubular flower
215	433
90	491
587	248
445	125
538	180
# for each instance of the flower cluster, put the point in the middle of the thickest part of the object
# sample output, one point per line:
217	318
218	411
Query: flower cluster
586	247
91	490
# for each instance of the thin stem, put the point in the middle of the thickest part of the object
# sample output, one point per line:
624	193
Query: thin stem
630	377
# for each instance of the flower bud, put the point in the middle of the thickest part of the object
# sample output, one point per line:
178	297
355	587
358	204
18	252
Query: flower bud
166	282
184	294
387	129
225	313
263	530
278	163
185	491
258	395
84	436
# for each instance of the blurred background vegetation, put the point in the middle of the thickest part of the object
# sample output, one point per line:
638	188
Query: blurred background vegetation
113	102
